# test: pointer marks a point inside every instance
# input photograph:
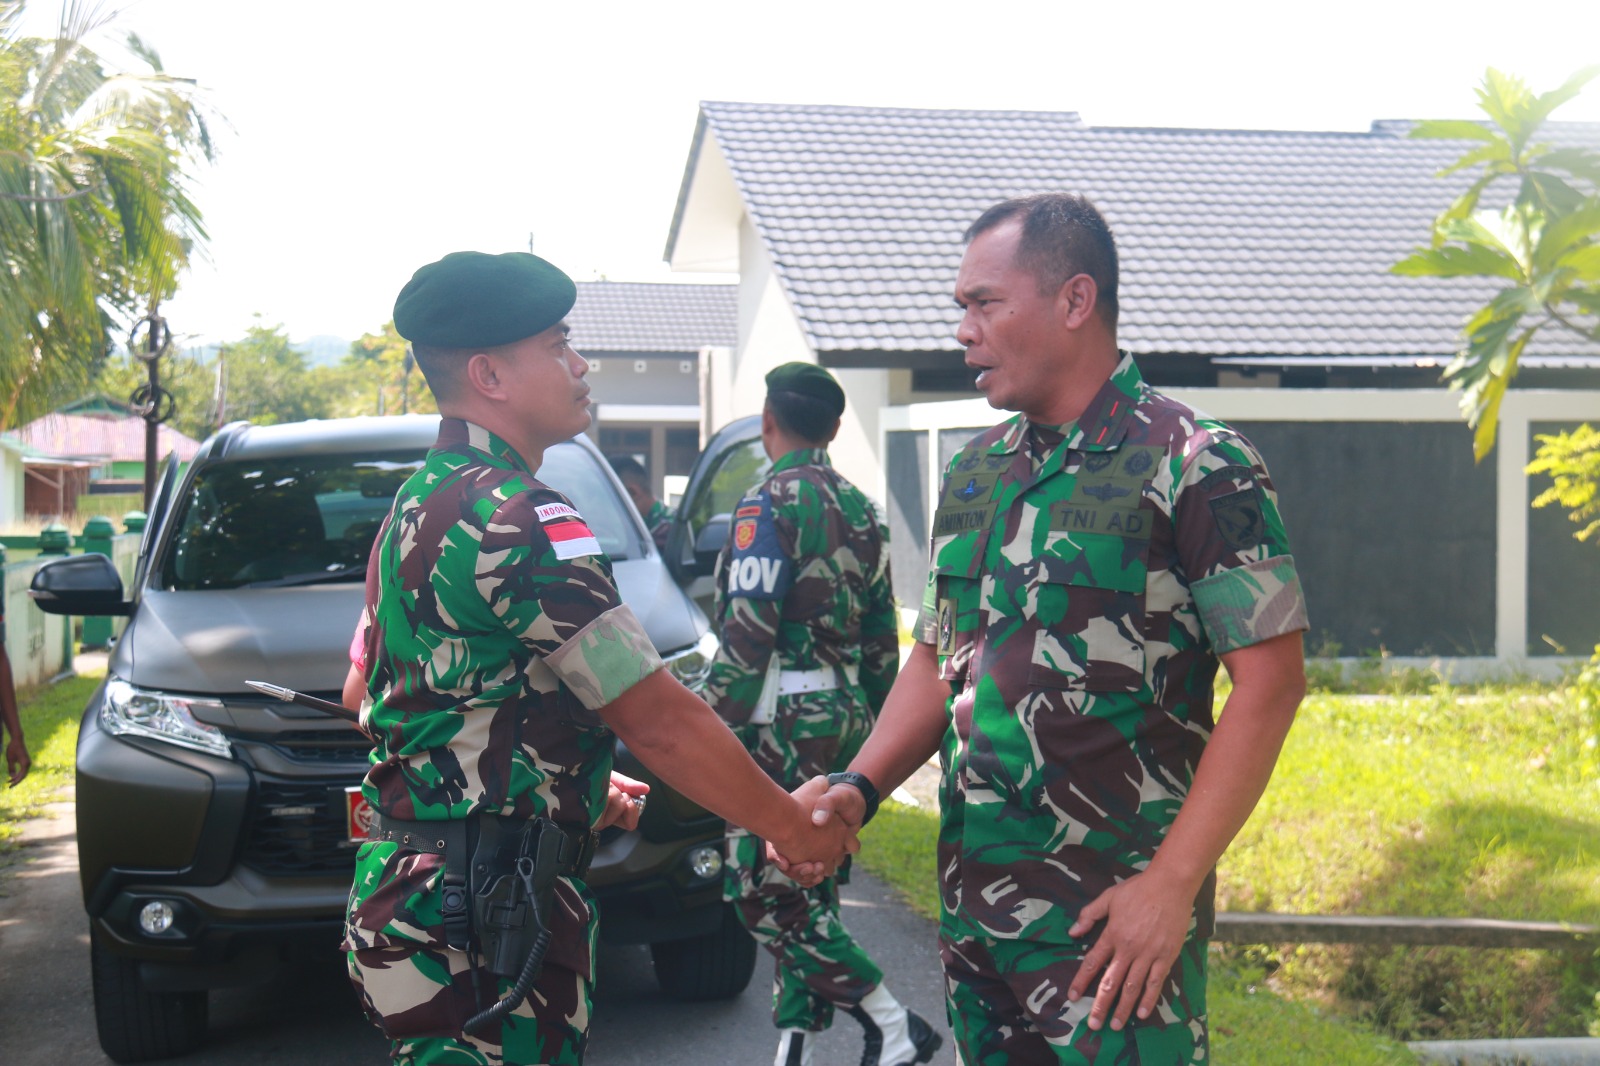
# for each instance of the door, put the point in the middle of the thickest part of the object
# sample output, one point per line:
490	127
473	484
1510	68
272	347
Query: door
732	463
160	505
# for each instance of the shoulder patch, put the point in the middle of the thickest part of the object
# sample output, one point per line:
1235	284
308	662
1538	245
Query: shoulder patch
549	512
758	569
570	536
1239	518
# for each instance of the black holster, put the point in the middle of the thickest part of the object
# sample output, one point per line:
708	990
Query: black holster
513	879
499	879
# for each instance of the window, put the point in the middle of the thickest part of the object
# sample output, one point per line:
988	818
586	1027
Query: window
288	521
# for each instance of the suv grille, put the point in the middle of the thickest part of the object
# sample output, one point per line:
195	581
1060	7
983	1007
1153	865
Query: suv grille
323	746
308	838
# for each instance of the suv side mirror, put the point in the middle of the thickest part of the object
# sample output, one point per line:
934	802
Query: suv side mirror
708	544
79	585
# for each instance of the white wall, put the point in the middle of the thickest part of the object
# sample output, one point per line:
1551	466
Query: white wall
1510	458
769	335
11	485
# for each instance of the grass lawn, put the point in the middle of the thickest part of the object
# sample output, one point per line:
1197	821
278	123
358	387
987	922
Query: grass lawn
50	716
1450	803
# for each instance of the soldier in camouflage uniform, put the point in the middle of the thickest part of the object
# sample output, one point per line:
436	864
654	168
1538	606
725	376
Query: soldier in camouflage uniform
498	661
1092	559
636	481
807	620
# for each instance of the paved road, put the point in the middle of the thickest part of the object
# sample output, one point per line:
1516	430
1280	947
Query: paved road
309	1017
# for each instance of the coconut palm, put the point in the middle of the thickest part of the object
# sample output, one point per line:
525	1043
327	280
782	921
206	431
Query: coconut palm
95	216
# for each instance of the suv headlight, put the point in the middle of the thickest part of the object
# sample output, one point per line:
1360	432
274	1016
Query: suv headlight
693	663
138	712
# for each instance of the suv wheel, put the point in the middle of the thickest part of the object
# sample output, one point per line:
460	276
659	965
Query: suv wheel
134	1023
716	965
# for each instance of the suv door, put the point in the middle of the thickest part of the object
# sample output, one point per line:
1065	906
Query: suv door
159	504
731	464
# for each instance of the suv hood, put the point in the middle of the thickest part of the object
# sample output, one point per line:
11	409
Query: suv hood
210	642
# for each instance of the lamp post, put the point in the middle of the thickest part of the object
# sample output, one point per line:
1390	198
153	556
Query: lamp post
155	404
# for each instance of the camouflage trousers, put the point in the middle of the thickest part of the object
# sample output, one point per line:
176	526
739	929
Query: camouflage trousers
1008	1007
399	984
817	963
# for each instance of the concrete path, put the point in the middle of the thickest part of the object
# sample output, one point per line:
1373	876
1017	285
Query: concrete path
309	1017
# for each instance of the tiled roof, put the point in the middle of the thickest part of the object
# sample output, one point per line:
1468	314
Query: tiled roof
1232	242
621	316
90	436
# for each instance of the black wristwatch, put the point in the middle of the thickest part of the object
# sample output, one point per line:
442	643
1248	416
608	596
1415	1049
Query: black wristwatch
862	784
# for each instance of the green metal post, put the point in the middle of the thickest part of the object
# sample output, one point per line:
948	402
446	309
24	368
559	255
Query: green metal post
97	534
54	539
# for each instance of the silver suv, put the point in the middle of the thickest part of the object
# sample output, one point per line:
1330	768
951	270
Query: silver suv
216	828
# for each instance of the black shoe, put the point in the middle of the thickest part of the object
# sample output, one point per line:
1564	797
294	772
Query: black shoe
923	1038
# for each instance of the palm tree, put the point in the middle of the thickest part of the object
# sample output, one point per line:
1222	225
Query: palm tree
95	216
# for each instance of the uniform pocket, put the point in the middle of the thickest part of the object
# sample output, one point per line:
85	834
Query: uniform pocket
1091	614
395	900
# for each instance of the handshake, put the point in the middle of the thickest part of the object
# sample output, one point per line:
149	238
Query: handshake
830	817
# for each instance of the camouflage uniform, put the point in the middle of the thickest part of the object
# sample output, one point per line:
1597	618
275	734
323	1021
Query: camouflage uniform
496	633
659	523
1084	580
805	577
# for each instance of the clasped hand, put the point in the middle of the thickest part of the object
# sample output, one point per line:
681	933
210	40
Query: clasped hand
830	810
825	840
625	800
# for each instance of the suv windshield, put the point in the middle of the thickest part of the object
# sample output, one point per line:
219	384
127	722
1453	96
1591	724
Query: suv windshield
311	519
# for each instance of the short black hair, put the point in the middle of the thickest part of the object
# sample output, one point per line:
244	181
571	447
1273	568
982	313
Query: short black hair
1062	235
629	469
807	417
441	367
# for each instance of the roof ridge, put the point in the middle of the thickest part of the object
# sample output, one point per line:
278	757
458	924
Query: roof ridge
864	109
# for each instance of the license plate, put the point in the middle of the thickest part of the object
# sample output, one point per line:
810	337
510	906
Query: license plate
357	815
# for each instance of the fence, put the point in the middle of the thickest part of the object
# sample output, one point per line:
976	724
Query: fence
41	646
1405	546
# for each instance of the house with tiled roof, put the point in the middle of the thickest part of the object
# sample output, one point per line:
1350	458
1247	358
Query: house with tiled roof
1254	285
644	344
88	447
12	481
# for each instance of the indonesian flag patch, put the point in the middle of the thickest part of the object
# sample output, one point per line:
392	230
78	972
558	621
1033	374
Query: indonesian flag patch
569	535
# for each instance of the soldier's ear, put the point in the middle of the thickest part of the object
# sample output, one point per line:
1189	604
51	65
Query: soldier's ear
1076	300
482	375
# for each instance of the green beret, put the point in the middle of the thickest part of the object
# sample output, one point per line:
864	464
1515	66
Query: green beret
477	300
807	379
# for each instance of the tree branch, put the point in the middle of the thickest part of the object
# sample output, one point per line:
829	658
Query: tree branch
1561	319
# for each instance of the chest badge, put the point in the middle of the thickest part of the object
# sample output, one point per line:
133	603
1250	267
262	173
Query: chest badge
744	534
1107	492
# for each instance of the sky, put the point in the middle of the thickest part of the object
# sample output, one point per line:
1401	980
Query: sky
359	139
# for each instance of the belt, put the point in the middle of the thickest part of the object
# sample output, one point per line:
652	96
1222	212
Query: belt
822	679
444	836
